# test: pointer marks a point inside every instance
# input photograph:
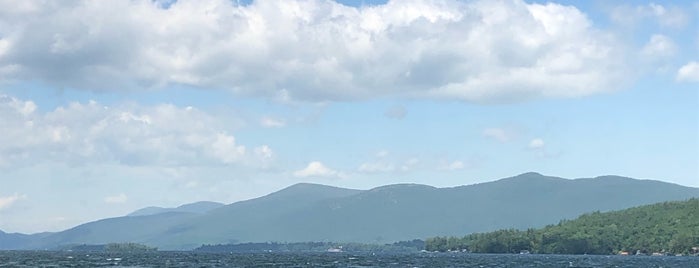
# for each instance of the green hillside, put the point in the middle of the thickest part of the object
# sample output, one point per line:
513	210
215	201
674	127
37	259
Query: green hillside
669	227
136	229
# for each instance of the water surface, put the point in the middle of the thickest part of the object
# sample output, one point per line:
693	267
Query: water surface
323	259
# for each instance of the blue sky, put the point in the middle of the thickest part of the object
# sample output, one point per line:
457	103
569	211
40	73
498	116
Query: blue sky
110	106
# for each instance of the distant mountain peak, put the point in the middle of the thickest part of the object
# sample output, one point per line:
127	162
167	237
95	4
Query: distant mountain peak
308	185
529	176
204	204
622	180
305	188
613	177
402	186
196	207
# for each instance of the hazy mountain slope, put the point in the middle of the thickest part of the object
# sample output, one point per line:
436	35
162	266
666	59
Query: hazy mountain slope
198	207
237	221
399	212
310	212
17	241
139	229
13	241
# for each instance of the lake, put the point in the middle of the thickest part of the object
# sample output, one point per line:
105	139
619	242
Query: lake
322	259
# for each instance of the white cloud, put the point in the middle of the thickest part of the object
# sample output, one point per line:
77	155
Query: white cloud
317	169
659	46
376	167
497	134
536	144
456	165
382	163
116	199
689	72
410	164
272	122
7	201
317	50
668	15
264	152
664	15
84	133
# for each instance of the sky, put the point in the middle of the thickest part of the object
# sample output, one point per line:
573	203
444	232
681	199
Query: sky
110	106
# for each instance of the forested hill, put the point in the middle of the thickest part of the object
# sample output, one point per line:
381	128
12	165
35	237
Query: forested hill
669	227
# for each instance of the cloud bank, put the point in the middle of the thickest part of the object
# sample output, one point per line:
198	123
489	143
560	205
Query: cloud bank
317	50
83	133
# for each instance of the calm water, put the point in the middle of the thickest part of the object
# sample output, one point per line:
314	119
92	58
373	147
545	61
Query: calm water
190	259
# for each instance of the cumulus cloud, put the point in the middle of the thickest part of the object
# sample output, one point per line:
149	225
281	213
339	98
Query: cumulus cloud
455	165
382	154
659	46
410	164
498	134
7	201
383	163
264	152
376	167
80	133
536	144
689	72
272	122
317	50
317	169
116	199
664	15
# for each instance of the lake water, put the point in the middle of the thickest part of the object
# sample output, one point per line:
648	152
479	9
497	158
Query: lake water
191	259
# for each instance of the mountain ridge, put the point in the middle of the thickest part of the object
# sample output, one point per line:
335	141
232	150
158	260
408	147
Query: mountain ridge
196	207
314	212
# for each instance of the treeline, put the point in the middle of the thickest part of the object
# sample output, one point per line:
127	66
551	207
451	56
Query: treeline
128	247
403	246
112	247
670	227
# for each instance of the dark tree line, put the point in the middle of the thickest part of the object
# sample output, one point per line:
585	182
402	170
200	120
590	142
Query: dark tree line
670	227
402	246
111	247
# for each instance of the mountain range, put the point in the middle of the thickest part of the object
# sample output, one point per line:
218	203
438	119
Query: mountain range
311	212
197	207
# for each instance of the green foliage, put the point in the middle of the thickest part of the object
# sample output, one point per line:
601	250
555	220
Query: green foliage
402	246
670	227
128	247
